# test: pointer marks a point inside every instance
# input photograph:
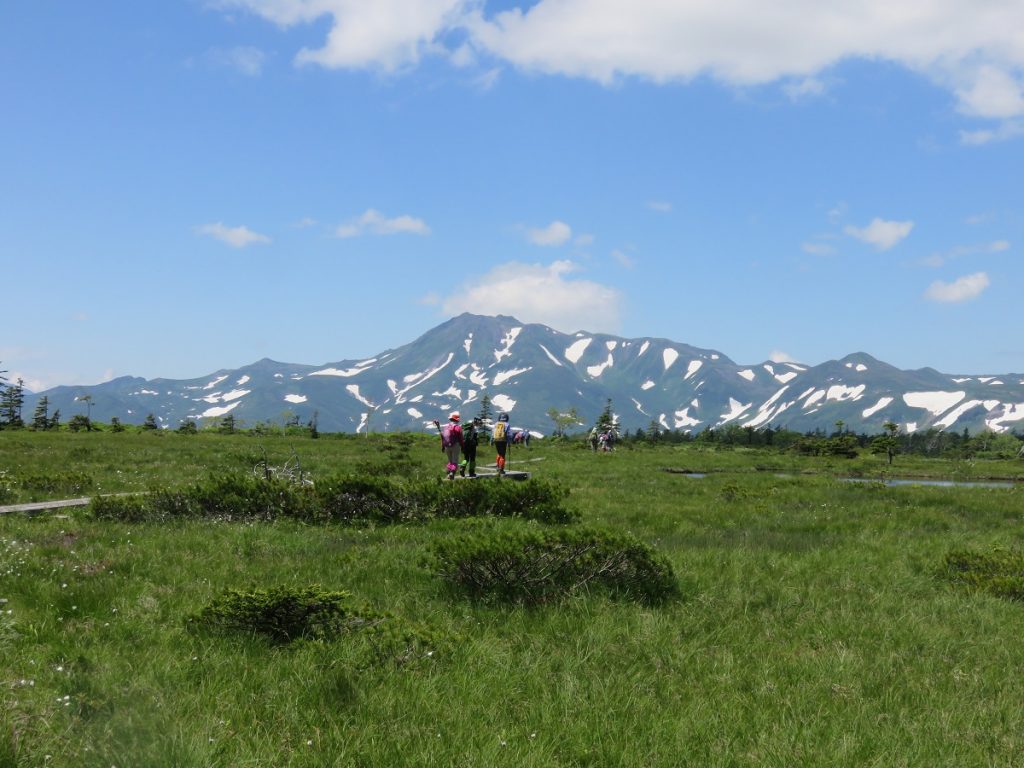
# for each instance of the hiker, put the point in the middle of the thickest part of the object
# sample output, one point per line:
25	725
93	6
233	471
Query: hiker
470	439
594	439
451	442
499	436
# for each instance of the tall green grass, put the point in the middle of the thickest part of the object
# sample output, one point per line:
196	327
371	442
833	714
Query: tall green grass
815	623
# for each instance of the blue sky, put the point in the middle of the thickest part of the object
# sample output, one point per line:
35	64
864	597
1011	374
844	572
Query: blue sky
197	184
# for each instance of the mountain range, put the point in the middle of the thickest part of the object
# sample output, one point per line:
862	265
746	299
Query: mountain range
527	369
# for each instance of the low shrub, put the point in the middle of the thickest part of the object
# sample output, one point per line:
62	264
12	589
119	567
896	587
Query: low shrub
349	499
56	482
999	572
283	614
540	565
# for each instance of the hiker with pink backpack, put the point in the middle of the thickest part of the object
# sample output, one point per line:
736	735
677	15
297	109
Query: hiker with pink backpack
451	442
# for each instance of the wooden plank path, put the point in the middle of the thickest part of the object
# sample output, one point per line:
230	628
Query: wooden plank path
43	506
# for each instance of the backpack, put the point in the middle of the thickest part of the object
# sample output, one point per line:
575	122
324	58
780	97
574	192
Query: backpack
499	431
470	437
447	436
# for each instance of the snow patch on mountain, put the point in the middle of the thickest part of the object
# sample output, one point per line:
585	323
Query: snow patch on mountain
840	392
508	340
985	379
643	348
639	407
611	345
452	391
467	345
478	377
215	382
217	410
347	373
961	379
647	385
234	394
882	402
597	370
859	367
241	381
785	378
503	402
575	351
669	356
818	394
353	389
551	357
414	413
950	418
935	403
747	374
683	419
692	368
503	376
1011	412
736	410
295	398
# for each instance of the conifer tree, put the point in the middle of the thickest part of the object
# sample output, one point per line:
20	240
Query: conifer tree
150	422
41	416
11	401
607	422
116	425
55	421
486	414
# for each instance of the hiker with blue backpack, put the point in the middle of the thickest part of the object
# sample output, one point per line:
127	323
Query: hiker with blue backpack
451	442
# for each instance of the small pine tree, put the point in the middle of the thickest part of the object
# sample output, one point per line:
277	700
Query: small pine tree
227	425
607	422
150	422
116	425
486	413
11	401
313	431
187	427
55	420
41	416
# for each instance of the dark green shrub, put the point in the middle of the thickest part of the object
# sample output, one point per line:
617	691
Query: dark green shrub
56	482
369	499
540	565
283	614
532	500
130	509
999	572
239	497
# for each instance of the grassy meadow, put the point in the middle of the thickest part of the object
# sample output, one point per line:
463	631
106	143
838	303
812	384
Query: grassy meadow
815	625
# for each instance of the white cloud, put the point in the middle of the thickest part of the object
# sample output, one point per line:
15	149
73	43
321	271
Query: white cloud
304	222
807	88
939	259
238	237
778	356
540	293
660	206
1006	130
555	233
973	49
244	59
882	234
623	258
384	34
375	223
962	289
818	249
583	240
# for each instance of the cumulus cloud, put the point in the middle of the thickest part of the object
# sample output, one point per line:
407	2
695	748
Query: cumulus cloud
817	249
555	233
660	206
1006	130
623	258
778	356
237	237
972	49
880	233
539	293
939	259
583	240
375	223
962	289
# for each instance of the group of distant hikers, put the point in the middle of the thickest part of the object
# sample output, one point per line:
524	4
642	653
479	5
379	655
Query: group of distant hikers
459	445
602	440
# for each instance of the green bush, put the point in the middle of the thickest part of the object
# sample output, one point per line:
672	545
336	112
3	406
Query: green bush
999	571
350	499
286	614
365	499
56	482
283	614
541	565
